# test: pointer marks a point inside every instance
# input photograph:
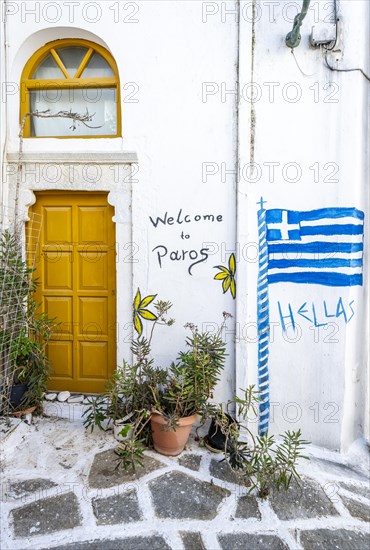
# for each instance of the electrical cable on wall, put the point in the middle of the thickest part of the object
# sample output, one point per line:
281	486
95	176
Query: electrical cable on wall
299	68
293	40
336	18
344	70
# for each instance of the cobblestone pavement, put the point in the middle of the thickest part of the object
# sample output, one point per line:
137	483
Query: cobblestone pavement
60	490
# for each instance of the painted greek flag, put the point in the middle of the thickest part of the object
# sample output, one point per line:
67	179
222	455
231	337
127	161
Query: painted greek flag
323	246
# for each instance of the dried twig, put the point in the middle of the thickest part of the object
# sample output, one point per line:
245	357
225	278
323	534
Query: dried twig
75	117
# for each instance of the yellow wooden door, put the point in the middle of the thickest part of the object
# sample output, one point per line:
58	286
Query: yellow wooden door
76	270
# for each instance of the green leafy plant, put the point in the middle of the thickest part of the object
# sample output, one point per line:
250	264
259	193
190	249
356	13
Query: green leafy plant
262	463
274	464
15	287
191	380
129	453
24	329
95	413
32	359
140	389
130	389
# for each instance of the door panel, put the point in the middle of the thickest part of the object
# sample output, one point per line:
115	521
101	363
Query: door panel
76	269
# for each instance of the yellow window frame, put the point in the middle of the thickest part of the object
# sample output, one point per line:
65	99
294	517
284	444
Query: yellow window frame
69	82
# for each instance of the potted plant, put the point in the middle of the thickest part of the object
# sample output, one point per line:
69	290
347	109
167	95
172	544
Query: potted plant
24	332
160	400
222	423
32	364
189	386
130	394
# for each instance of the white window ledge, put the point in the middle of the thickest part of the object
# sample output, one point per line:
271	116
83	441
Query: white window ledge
77	157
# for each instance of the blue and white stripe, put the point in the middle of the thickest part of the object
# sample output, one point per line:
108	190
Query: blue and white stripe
263	325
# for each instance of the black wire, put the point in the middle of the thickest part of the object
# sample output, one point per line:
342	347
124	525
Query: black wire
345	70
333	46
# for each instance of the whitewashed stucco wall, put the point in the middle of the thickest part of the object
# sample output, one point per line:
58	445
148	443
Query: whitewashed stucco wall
164	52
318	374
180	62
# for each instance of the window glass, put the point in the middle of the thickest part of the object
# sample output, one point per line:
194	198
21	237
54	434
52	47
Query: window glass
99	102
97	67
48	69
71	76
71	58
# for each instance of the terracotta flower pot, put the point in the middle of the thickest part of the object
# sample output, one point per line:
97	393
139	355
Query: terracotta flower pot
171	442
26	411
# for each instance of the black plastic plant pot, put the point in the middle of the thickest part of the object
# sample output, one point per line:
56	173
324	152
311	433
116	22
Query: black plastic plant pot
216	439
17	392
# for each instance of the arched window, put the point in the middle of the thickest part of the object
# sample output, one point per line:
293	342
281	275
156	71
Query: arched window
71	75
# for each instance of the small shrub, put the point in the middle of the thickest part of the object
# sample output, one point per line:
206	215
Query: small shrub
262	462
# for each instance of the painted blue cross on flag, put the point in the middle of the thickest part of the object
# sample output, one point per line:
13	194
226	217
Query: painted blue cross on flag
323	246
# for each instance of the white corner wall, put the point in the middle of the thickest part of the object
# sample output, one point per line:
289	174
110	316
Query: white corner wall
307	131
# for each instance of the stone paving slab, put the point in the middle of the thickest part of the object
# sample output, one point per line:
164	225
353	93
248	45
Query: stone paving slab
192	541
16	490
336	468
334	539
221	470
246	541
306	500
47	515
191	461
362	490
130	543
247	508
179	496
357	509
103	472
123	508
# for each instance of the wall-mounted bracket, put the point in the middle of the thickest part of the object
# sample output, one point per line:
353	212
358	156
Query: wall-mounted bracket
329	35
323	33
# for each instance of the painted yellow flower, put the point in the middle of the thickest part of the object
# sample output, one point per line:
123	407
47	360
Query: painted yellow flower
227	276
141	311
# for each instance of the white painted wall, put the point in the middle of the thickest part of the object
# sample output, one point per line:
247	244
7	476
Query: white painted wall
163	60
318	376
187	142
